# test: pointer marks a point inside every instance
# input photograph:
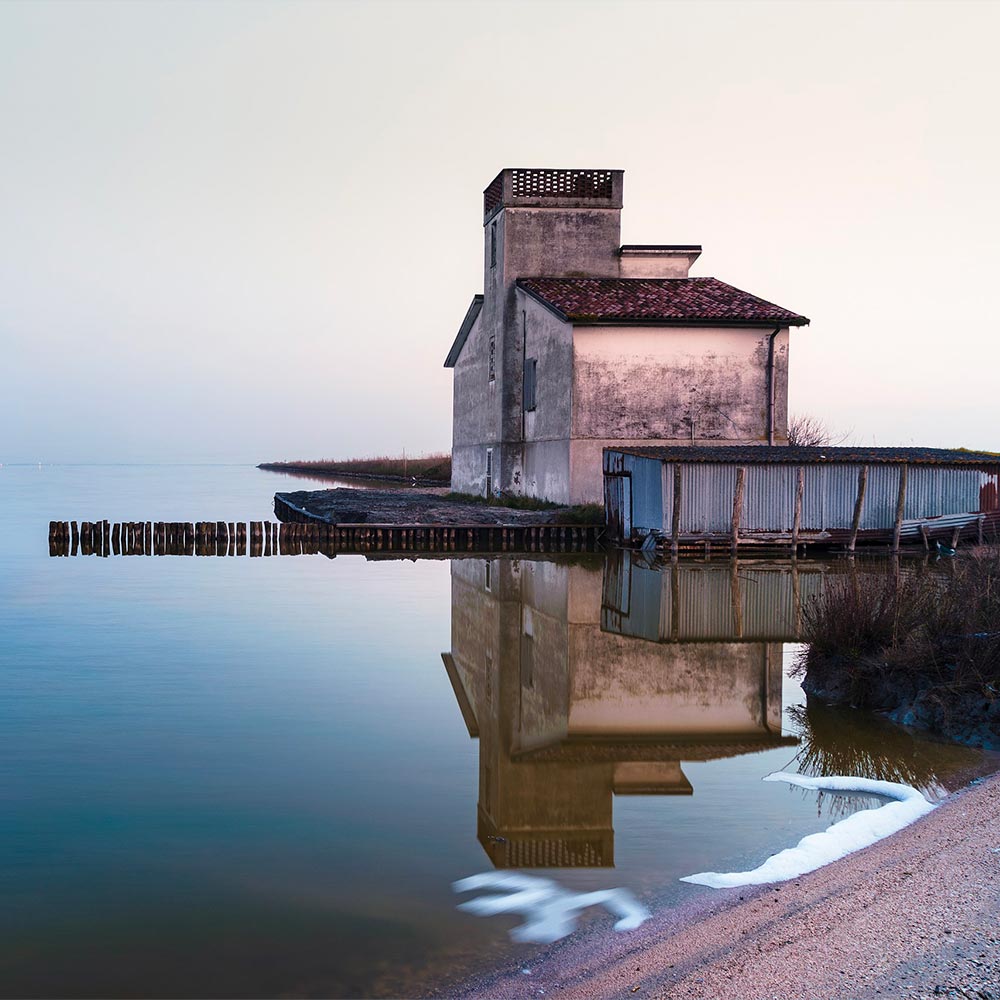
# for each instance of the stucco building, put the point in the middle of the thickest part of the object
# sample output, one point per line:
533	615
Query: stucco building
578	343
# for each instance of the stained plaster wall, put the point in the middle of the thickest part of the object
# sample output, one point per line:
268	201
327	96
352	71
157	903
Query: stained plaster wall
653	264
546	471
556	242
670	385
476	408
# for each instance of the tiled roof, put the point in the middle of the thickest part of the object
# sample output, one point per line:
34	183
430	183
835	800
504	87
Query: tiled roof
787	455
656	300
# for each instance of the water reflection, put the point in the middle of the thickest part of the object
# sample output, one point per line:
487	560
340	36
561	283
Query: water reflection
553	670
839	740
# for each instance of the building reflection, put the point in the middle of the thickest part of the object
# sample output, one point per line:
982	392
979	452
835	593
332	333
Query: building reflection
584	680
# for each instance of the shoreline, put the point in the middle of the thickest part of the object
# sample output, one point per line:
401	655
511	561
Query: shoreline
375	477
915	913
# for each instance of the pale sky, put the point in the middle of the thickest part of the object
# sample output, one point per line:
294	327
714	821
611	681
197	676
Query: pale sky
249	231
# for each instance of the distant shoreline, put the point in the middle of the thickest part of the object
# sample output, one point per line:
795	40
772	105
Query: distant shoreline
337	472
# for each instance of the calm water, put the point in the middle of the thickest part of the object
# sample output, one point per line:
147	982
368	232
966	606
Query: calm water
259	777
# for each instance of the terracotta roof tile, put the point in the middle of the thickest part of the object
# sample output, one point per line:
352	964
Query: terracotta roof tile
650	300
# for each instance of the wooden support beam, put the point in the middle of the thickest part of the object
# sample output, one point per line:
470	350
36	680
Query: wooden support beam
926	536
800	488
675	599
734	535
859	506
736	595
675	517
900	506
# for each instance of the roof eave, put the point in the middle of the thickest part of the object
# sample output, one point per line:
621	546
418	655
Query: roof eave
471	315
761	324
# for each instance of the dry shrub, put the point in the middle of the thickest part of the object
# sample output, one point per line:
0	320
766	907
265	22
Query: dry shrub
881	640
805	431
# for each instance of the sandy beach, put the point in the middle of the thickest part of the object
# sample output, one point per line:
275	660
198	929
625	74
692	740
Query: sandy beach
915	915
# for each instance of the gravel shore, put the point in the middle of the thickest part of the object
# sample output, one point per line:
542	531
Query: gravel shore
916	915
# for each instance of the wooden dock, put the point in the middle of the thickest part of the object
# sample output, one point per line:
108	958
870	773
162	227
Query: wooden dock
308	536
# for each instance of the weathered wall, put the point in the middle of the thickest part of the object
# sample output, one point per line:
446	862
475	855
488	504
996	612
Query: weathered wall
675	383
532	241
638	264
670	385
476	413
549	340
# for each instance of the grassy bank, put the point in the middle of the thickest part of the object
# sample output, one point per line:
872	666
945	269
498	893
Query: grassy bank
426	468
924	647
589	513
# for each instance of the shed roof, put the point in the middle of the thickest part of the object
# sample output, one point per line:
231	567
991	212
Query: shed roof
788	455
677	301
471	315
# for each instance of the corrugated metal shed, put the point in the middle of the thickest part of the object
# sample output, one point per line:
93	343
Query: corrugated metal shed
830	496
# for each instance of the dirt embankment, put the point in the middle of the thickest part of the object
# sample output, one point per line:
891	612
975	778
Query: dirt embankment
347	506
916	915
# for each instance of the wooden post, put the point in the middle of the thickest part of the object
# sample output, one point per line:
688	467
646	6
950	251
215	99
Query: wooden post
675	518
675	599
800	488
796	598
76	535
900	505
736	596
955	535
859	506
116	539
925	535
980	520
734	538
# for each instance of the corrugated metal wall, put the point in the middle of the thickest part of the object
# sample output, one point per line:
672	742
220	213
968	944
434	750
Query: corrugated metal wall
829	495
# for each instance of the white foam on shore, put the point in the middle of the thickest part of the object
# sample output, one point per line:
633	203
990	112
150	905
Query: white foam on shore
550	911
842	838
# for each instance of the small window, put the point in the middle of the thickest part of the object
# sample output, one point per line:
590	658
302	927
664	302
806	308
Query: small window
489	472
493	245
488	581
530	383
493	359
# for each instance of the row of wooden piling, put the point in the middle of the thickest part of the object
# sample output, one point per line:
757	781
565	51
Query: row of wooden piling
147	538
265	538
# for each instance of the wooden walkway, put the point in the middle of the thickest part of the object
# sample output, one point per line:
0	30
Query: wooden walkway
267	538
